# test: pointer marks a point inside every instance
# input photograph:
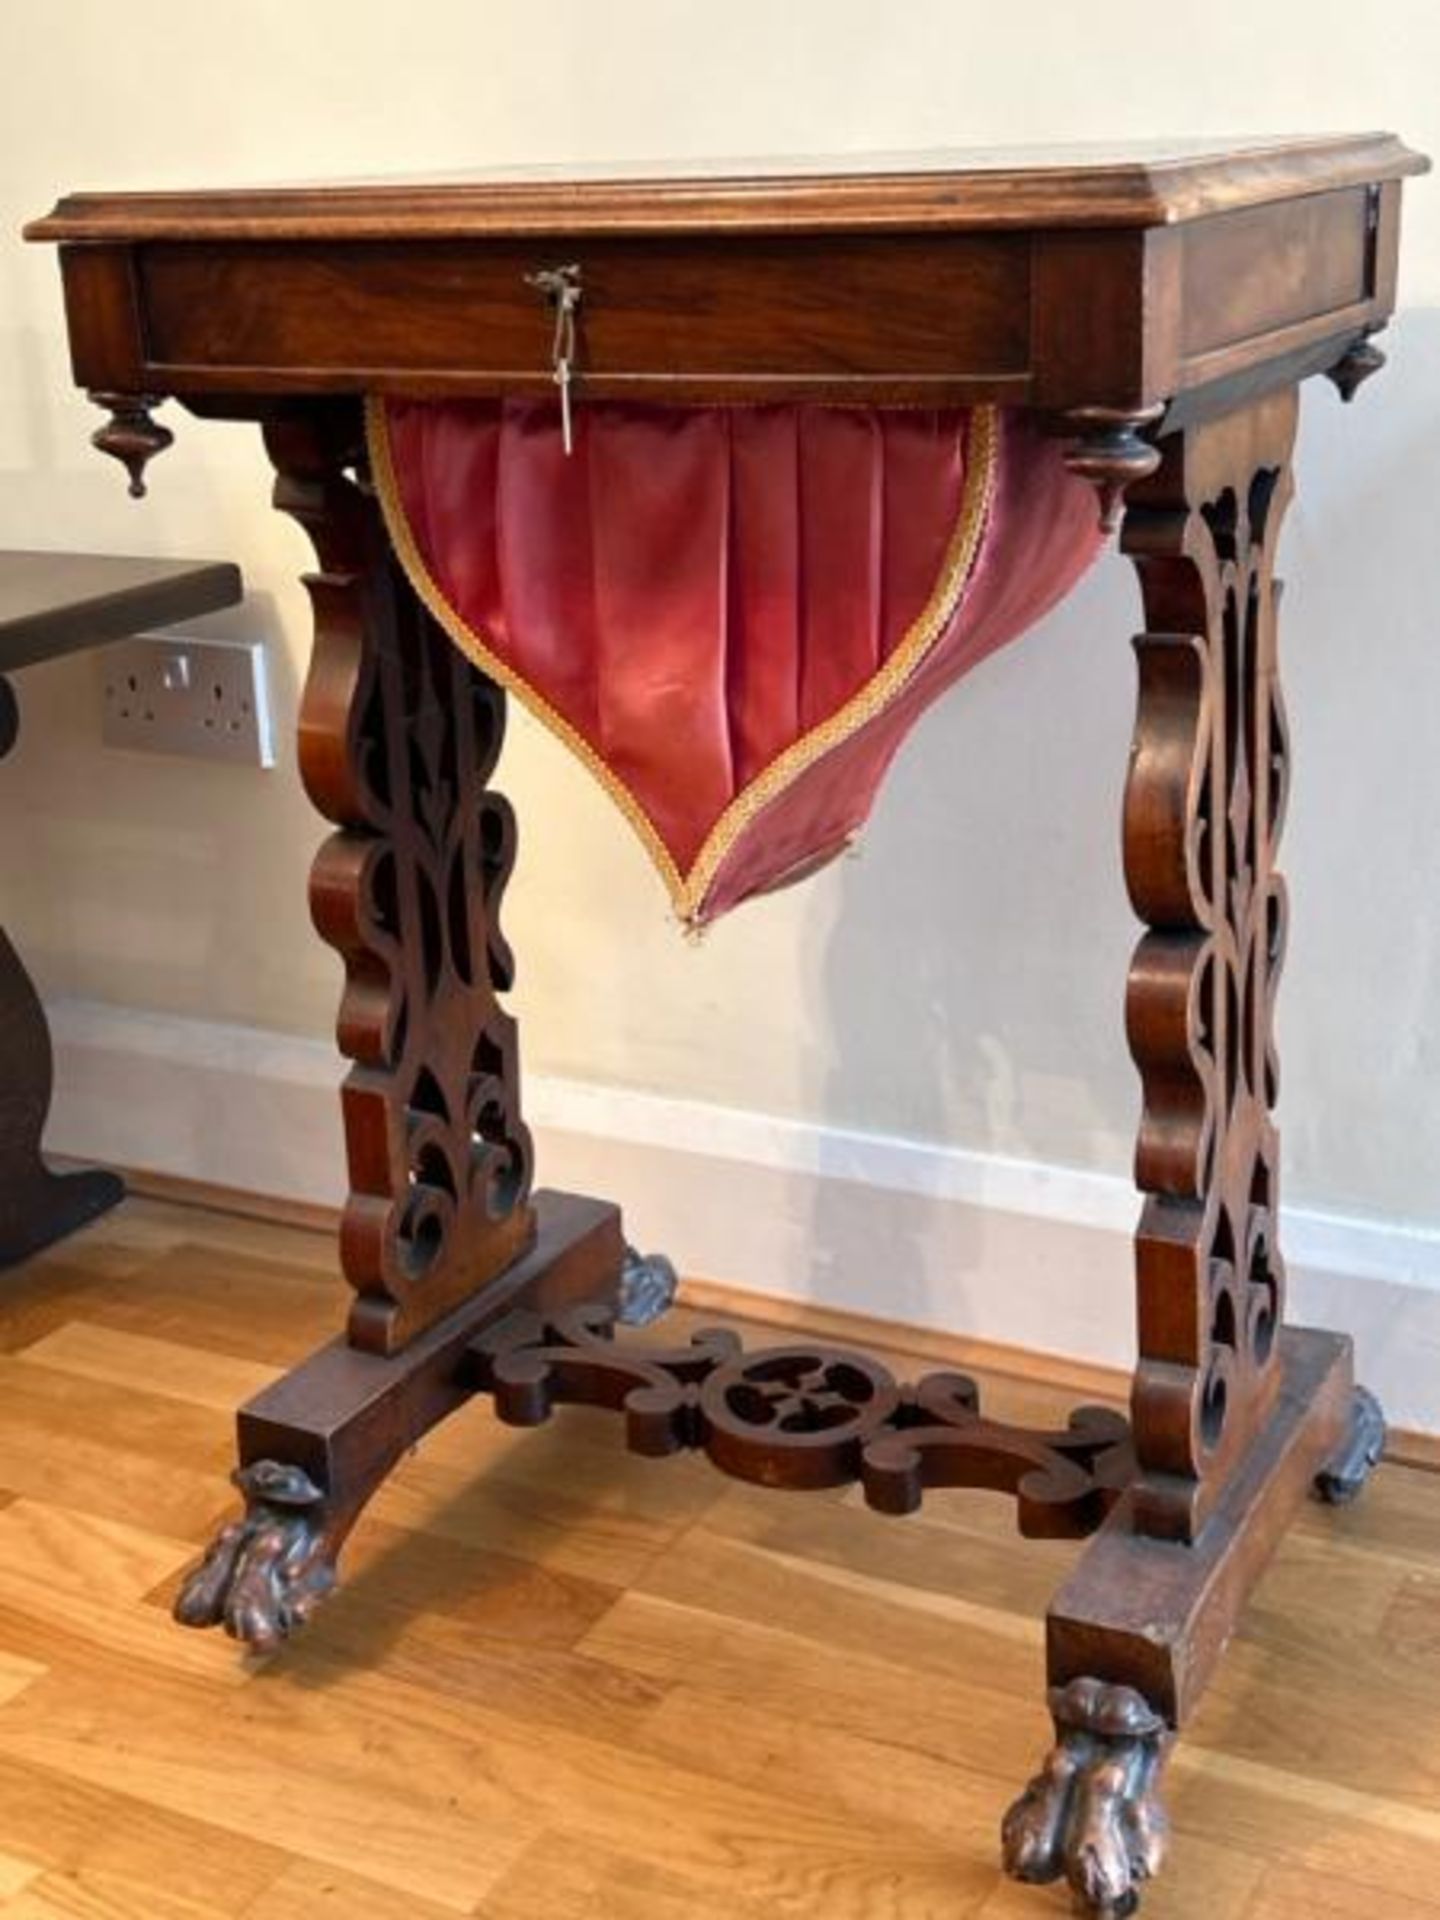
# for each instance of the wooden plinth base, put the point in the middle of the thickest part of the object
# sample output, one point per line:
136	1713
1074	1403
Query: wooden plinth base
1136	1632
315	1446
1157	1615
342	1413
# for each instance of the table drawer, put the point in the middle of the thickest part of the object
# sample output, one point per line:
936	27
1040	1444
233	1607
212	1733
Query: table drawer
792	310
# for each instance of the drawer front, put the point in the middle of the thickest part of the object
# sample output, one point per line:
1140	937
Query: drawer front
796	312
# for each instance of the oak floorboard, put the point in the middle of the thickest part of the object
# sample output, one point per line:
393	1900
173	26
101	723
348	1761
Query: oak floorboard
1286	1892
316	1775
171	1369
565	1882
563	1683
56	1827
307	1890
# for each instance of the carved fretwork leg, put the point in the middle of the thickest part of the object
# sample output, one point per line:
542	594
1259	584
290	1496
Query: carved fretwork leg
1235	1415
1203	812
37	1206
398	737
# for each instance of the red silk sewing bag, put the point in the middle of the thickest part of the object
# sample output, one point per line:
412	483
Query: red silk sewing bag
732	614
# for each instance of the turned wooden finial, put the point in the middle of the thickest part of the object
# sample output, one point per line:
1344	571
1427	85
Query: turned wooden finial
130	435
1354	368
1110	451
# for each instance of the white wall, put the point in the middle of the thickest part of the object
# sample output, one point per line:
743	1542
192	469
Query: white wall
960	980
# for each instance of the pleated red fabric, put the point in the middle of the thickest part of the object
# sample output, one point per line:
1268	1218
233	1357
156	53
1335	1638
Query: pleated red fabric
732	614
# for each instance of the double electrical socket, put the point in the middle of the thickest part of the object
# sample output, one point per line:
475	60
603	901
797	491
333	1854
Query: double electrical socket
173	693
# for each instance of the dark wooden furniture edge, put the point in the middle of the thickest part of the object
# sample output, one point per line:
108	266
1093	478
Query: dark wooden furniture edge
141	593
38	1206
53	604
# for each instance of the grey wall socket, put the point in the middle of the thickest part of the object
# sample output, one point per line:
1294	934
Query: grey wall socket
174	693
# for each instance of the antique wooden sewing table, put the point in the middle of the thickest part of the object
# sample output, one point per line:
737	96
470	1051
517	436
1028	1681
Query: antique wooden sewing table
1154	311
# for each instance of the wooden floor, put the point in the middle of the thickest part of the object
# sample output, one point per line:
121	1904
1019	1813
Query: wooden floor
564	1684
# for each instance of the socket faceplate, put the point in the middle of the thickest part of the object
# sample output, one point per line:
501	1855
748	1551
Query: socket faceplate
174	693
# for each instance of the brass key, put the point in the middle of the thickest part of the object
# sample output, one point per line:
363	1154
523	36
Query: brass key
561	287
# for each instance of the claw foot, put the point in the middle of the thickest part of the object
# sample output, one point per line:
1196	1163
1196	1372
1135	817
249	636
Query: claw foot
1345	1476
647	1288
1093	1814
264	1574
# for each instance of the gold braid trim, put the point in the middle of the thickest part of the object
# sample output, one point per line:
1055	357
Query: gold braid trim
688	890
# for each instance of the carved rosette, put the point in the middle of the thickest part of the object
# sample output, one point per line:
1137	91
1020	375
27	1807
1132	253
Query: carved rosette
1203	810
399	734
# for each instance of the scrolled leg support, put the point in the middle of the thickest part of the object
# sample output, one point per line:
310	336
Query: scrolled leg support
1093	1814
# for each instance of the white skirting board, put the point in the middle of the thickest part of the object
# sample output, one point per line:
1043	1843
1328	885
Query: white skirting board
927	1235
